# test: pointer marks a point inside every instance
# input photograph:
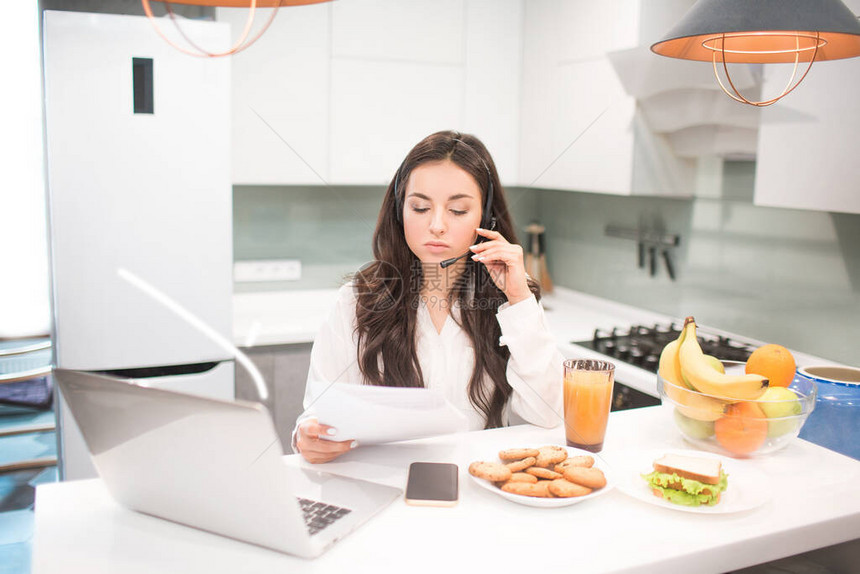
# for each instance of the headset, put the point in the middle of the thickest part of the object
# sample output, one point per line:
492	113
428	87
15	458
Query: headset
487	219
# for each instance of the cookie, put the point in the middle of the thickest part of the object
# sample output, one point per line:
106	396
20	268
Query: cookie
492	471
517	453
521	464
550	456
538	489
523	477
544	485
543	473
565	489
585	461
590	477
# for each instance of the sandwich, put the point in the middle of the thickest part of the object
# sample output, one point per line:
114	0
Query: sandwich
687	480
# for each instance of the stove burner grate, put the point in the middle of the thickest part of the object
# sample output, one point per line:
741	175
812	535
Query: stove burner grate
641	345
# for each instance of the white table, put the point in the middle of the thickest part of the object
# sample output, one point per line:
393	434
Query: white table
816	503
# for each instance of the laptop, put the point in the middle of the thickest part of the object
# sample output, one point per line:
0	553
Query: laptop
213	465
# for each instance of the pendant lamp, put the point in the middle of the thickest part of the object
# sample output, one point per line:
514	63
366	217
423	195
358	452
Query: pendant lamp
797	32
243	42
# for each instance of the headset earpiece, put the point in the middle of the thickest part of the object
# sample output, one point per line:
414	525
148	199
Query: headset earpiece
398	198
487	219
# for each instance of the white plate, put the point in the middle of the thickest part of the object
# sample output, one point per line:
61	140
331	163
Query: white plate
746	487
549	502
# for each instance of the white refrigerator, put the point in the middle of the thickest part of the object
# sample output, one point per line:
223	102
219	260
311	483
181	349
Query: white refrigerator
140	204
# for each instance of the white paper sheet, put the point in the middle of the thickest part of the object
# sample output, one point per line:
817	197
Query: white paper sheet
372	415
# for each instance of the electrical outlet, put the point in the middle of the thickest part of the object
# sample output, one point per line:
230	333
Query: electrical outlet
267	270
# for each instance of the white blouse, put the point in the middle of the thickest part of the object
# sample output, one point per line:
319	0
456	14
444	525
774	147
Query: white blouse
447	358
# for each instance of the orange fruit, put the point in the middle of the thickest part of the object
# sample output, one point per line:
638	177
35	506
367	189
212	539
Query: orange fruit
774	362
743	429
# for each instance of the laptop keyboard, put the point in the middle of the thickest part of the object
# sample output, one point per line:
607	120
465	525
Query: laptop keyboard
318	515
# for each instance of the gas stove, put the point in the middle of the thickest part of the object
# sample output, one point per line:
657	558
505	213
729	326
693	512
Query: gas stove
641	345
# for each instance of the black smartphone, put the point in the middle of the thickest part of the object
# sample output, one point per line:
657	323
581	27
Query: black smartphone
432	484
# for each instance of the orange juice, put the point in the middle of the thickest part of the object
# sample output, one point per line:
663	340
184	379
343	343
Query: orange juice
587	400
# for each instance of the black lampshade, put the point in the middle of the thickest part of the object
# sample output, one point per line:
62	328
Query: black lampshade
763	31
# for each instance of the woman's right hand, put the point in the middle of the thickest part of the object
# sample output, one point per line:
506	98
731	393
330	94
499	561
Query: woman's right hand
317	450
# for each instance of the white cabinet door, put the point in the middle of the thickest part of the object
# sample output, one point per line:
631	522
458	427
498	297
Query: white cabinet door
381	109
576	118
393	30
807	147
397	76
492	80
579	128
402	71
338	93
280	99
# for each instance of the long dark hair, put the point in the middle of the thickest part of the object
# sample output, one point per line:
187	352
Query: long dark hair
388	289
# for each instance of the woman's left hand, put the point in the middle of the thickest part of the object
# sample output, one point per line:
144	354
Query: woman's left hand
504	261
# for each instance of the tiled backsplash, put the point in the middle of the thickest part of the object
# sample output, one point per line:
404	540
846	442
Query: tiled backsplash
778	275
329	229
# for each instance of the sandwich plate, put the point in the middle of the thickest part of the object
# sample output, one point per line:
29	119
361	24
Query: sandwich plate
746	489
550	502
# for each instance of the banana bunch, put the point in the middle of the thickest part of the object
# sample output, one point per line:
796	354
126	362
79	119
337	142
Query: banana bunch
699	372
689	403
687	368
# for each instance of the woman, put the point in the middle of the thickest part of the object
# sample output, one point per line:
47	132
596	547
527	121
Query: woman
472	329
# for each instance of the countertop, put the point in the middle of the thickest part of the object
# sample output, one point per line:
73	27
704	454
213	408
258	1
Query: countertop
288	317
292	317
485	533
280	317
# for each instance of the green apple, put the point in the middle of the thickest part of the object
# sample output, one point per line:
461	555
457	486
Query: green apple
777	403
715	362
693	428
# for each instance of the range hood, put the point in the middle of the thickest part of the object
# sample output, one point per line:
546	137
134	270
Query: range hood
644	73
681	100
727	142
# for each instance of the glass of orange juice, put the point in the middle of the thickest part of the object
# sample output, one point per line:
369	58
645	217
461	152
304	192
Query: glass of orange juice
587	399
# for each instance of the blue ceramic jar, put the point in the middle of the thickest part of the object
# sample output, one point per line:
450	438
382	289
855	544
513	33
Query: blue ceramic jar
835	422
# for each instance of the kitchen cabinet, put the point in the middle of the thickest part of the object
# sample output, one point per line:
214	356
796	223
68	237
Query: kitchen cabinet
396	77
338	93
415	32
280	98
807	156
380	109
285	370
494	39
579	128
422	68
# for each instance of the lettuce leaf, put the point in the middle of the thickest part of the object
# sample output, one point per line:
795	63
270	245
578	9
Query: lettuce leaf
691	493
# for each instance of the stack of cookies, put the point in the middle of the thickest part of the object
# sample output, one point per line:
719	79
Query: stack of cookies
545	472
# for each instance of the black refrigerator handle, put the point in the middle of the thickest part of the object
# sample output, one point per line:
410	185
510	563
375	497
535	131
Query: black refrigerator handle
164	371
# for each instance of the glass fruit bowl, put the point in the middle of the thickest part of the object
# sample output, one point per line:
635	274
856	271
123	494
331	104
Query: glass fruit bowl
739	428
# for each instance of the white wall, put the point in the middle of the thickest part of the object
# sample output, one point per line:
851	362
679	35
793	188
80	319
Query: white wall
24	294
